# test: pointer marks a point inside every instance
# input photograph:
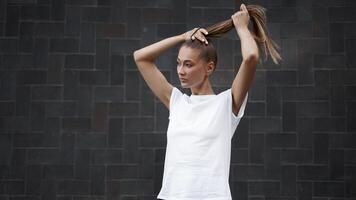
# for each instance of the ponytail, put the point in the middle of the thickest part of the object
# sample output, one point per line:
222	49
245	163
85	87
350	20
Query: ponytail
259	31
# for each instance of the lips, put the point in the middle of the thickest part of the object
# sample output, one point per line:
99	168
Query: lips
183	79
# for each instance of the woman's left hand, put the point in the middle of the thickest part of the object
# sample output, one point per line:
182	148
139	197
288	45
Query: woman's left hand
241	18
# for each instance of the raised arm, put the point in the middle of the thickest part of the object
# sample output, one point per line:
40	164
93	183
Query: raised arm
250	56
145	61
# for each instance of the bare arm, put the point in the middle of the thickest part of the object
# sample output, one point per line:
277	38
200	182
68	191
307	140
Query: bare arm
250	55
145	58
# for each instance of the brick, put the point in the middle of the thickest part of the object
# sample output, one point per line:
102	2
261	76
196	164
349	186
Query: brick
41	53
7	108
79	61
297	156
115	132
282	15
336	166
58	10
102	57
139	124
103	157
342	14
328	189
312	172
119	172
46	29
256	148
267	188
76	124
336	38
97	186
12	20
73	187
329	61
58	172
26	29
211	3
8	46
281	77
156	15
350	49
108	94
289	116
110	30
320	148
281	140
87	40
214	15
130	153
132	80
93	77
305	109
87	141
288	180
64	45
274	106
46	92
127	46
329	124
153	140
247	172
43	156
72	26
296	30
123	109
36	140
265	124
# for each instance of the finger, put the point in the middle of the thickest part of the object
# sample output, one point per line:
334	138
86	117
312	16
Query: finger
193	37
204	31
204	40
243	7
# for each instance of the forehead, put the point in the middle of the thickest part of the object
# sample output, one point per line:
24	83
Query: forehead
187	53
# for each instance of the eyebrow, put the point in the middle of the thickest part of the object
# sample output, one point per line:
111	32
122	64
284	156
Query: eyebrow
185	60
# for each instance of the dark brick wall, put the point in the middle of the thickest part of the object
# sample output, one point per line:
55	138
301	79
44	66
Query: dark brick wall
78	122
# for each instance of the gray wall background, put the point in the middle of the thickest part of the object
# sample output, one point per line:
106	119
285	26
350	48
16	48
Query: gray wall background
78	122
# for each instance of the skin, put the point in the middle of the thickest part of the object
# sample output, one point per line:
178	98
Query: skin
194	71
197	76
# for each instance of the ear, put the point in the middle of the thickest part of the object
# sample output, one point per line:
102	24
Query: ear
210	67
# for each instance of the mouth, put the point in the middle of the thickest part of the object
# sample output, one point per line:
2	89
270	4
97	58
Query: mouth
182	79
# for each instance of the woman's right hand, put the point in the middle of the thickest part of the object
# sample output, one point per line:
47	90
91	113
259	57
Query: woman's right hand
199	34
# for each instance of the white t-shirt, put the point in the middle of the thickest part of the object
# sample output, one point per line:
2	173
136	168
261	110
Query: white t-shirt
198	150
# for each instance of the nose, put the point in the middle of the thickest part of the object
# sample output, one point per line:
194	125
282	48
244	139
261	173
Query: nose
180	70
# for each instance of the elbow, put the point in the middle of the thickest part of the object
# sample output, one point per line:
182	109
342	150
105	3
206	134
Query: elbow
139	56
252	59
135	55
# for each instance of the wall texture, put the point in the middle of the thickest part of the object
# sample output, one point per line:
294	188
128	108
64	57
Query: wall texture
78	122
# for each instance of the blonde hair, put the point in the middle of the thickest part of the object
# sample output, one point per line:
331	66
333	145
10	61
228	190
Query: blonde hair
259	32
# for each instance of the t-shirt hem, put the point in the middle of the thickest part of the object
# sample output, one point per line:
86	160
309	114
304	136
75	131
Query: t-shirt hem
212	198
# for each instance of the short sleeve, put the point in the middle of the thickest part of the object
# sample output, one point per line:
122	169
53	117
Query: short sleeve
175	96
235	119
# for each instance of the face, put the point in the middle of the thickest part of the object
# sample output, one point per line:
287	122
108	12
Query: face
191	70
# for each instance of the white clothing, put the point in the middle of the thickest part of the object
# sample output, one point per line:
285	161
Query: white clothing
197	160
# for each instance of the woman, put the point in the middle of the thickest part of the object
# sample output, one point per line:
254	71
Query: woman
202	125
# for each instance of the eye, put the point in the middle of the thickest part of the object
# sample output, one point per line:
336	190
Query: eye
188	65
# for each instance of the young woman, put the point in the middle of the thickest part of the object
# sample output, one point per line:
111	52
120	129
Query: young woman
201	125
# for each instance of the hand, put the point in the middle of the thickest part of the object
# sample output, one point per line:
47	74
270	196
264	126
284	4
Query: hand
241	18
198	34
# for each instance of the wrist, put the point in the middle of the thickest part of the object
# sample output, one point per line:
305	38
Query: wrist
181	37
242	30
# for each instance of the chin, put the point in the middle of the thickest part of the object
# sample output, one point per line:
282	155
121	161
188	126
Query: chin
184	85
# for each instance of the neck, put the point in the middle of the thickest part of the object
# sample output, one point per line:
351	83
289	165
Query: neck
204	88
